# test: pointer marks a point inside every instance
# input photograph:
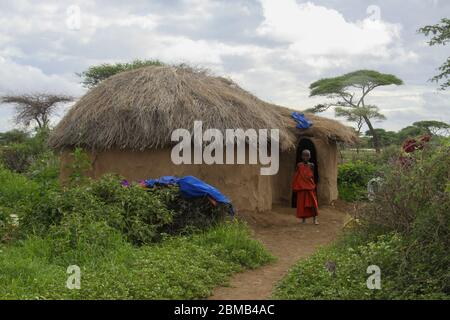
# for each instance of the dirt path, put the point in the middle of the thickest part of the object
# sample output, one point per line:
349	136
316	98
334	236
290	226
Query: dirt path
288	240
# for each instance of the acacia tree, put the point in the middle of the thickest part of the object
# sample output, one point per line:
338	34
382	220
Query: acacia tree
434	127
349	92
37	107
440	35
357	115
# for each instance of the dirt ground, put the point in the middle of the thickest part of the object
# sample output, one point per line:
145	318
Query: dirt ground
289	240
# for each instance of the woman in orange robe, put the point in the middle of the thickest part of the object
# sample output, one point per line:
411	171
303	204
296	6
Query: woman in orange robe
305	187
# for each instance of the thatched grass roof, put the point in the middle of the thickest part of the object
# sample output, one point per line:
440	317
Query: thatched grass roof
139	109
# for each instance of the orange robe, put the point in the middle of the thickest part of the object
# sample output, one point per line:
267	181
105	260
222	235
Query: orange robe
303	184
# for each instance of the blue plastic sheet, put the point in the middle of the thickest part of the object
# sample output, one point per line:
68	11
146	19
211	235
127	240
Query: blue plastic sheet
302	122
164	180
191	187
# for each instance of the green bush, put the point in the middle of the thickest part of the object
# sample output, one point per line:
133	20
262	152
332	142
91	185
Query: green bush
45	170
16	189
142	216
13	136
353	178
19	156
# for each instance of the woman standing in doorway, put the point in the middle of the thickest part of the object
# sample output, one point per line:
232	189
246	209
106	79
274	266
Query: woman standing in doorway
304	185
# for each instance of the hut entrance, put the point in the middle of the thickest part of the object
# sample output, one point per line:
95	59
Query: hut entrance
303	144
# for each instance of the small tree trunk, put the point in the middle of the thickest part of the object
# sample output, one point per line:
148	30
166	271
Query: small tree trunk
376	142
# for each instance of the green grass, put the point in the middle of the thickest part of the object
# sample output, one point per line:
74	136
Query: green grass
178	268
310	278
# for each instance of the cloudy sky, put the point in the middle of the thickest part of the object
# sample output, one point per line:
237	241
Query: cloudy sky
273	48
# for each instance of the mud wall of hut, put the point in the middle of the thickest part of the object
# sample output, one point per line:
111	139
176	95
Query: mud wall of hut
242	183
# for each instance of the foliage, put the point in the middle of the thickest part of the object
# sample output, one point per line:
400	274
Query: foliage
440	35
79	166
16	192
178	268
16	189
385	138
419	192
19	156
410	132
45	170
119	236
338	86
405	231
353	178
141	216
96	74
359	114
13	136
312	278
433	127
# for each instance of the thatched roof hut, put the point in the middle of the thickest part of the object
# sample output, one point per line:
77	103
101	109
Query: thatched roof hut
126	123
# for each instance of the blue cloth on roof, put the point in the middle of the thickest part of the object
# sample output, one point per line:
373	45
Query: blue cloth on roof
191	187
302	122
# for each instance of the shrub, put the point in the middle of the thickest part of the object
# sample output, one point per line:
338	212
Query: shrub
45	170
15	188
142	216
413	197
13	136
19	156
353	178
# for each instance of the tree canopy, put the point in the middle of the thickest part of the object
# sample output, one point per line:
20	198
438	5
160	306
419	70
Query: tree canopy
348	104
440	36
36	107
433	127
339	86
96	74
357	114
386	138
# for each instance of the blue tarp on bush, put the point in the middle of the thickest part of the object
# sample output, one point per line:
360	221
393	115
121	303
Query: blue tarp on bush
302	122
191	187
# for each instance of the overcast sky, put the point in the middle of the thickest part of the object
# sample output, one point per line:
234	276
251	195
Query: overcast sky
273	48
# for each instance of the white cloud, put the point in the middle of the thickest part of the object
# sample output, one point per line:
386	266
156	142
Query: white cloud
323	38
16	78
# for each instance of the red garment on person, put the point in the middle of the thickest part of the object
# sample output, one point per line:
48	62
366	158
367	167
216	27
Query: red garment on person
303	183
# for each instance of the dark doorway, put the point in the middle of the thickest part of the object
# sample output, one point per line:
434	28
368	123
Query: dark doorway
303	144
